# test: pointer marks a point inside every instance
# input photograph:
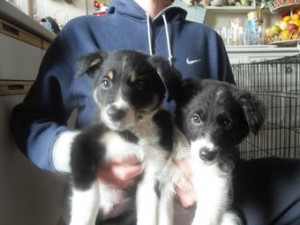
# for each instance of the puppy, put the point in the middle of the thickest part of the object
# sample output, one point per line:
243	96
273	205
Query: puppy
129	88
214	117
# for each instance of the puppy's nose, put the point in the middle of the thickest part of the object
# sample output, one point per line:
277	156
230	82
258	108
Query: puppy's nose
114	113
206	154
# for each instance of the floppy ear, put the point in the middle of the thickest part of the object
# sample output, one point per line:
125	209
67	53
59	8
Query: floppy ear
189	87
90	63
170	76
255	111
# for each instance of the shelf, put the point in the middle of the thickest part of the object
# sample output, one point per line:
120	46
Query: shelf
286	43
230	9
272	49
18	18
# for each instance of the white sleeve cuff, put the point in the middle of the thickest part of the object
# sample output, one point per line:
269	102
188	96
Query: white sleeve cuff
61	151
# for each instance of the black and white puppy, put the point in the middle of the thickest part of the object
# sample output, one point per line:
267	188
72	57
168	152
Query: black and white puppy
214	117
129	88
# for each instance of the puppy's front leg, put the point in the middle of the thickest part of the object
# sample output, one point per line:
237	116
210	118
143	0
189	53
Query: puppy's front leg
212	194
147	203
166	201
85	205
166	208
87	152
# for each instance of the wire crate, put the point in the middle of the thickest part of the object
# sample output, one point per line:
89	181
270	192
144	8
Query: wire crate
277	84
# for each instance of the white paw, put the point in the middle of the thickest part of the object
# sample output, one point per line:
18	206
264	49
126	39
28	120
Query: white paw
118	146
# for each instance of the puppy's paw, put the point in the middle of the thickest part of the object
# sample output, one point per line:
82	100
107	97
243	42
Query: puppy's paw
117	146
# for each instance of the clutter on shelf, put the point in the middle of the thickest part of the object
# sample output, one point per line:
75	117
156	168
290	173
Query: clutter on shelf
287	29
243	32
50	24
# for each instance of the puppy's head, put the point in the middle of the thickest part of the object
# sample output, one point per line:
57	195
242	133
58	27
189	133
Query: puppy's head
216	116
129	86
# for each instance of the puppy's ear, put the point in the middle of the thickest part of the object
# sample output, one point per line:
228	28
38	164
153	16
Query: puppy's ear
255	110
189	87
170	76
90	63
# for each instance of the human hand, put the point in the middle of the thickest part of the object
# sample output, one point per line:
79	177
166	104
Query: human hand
120	173
185	192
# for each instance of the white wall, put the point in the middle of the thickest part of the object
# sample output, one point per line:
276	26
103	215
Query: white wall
28	195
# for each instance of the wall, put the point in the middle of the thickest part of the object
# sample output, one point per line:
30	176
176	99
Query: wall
28	195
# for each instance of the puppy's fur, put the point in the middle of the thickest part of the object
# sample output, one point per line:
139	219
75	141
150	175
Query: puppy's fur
214	117
129	88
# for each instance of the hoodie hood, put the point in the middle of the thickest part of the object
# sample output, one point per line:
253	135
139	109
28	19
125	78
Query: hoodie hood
131	9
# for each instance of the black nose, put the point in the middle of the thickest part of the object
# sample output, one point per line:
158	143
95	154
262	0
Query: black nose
206	154
114	113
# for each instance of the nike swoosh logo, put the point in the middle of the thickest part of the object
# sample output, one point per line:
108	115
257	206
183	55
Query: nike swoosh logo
190	62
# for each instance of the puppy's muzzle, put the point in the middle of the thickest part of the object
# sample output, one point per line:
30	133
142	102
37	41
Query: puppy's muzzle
207	154
115	114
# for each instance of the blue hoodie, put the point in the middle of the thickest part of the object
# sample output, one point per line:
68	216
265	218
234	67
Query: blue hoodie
194	49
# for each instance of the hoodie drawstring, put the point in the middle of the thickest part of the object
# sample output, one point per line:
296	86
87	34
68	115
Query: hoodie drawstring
170	56
149	35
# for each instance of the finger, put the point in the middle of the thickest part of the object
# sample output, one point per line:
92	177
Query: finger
119	176
184	185
186	198
126	161
184	166
113	181
127	172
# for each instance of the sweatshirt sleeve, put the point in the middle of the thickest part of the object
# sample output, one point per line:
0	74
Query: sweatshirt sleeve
42	116
223	64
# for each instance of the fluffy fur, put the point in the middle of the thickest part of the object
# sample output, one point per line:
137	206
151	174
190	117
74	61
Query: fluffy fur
214	118
129	88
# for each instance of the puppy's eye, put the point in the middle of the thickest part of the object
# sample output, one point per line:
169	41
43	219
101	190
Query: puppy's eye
139	85
106	83
196	119
227	123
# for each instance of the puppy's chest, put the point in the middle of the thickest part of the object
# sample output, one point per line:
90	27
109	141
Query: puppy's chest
149	139
157	133
210	179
